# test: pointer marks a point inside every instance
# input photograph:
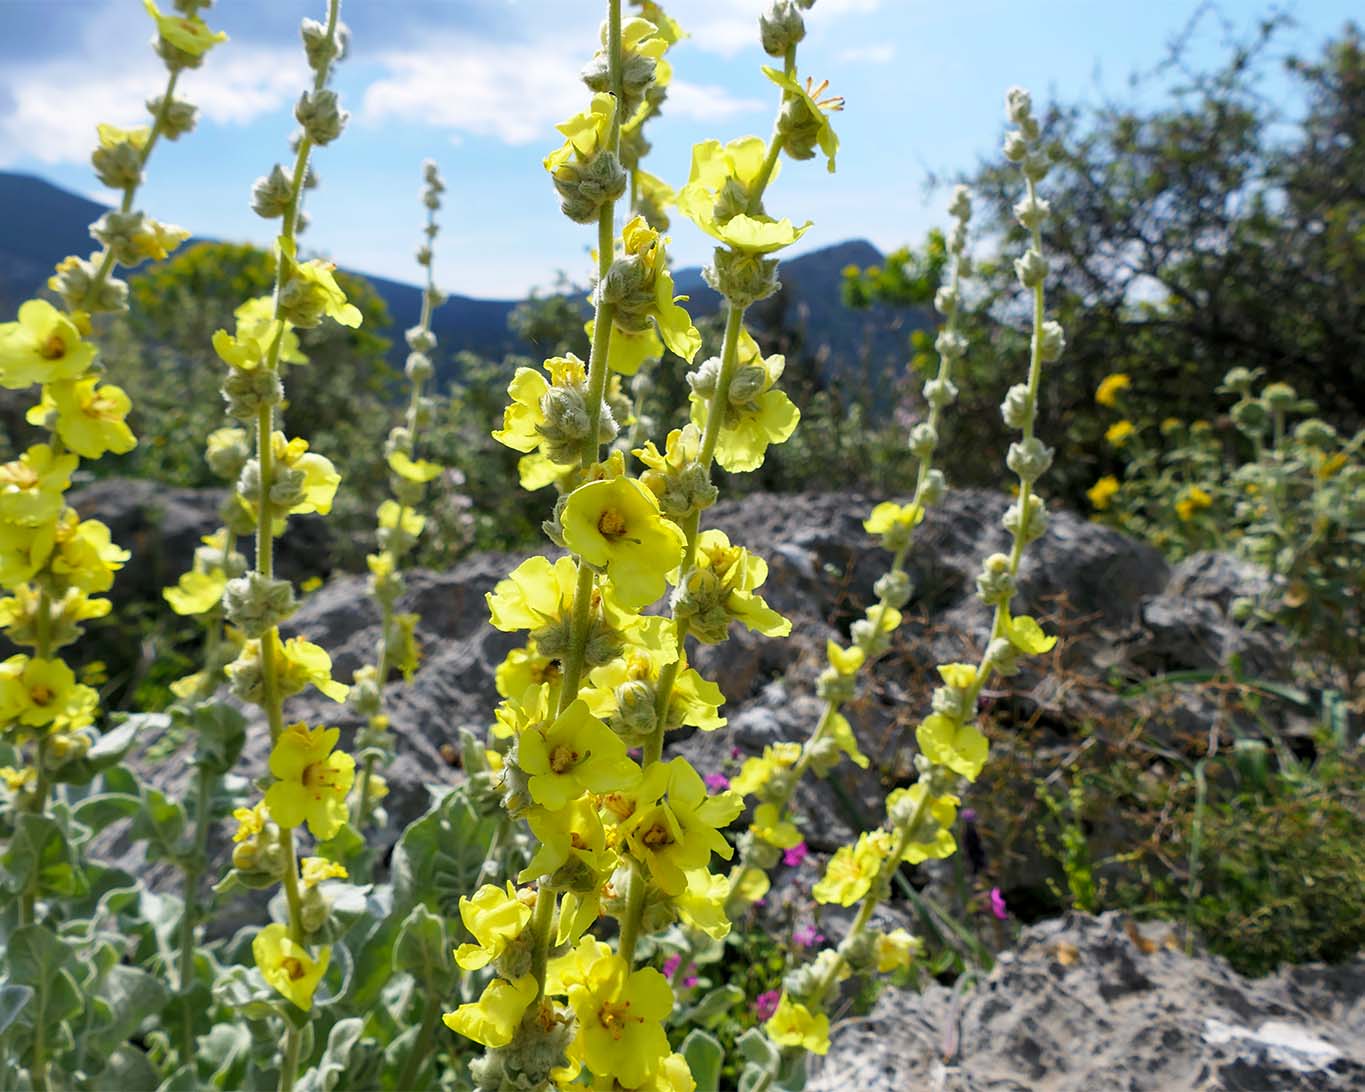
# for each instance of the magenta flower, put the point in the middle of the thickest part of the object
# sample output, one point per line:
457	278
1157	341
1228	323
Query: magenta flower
998	907
794	856
735	753
807	936
765	1004
716	781
671	965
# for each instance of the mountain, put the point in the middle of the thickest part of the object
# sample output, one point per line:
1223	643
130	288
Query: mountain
41	223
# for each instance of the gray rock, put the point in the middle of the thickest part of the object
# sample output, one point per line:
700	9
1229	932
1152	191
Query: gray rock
1080	1005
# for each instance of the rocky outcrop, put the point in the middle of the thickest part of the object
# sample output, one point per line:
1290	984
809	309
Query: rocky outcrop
1080	1004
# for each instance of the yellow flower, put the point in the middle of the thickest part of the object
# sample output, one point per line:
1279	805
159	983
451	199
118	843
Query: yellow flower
493	1019
1103	491
287	966
585	134
311	780
958	746
535	593
31	486
250	821
679	832
188	34
845	661
1025	634
716	197
693	701
320	477
38	692
23	551
617	524
43	346
850	872
795	1025
314	870
620	1020
934	837
813	128
494	917
702	903
757	770
766	416
1119	433
1193	500
896	950
89	416
573	833
1107	393
575	754
650	305
304	663
768	826
842	733
85	558
522	668
890	516
15	780
196	592
413	470
311	291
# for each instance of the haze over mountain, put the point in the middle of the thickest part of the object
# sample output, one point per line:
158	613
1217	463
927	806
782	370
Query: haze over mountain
41	223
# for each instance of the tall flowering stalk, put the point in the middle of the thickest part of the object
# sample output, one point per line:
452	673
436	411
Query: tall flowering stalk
53	564
309	779
773	777
597	677
399	527
920	818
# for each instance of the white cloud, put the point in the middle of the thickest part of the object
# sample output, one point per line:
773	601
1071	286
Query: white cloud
871	54
707	102
514	92
54	107
725	27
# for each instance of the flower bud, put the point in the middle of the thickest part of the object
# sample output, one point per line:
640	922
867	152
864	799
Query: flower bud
703	378
1003	657
950	345
1029	458
748	383
118	166
248	392
270	195
1036	525
319	48
1051	342
236	515
1250	416
118	232
177	117
1036	166
923	440
935	485
740	277
1280	397
1016	147
1315	433
1017	409
1031	211
254	603
832	686
940	393
1030	269
995	584
321	115
781	29
584	188
858	949
420	339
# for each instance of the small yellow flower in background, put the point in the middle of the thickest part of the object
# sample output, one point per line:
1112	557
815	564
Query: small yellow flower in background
495	917
250	822
43	346
850	872
1119	433
846	661
842	733
90	417
1328	465
617	524
86	557
794	1025
702	903
320	477
111	136
896	950
768	826
311	780
196	592
1025	634
942	810
38	692
312	584
32	485
1171	425
413	470
1193	500
620	1020
314	870
764	417
302	664
493	1019
889	516
186	32
287	966
1103	491
15	780
1111	386
947	742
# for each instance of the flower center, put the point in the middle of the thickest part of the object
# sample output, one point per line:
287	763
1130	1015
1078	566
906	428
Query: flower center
54	348
19	475
611	524
293	968
621	806
100	407
563	759
657	836
40	695
319	776
614	1016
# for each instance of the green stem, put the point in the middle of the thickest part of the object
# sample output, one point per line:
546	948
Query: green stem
634	910
542	921
289	1065
291	885
189	915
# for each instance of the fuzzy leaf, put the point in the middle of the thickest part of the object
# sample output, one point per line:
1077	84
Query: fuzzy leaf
40	861
704	1056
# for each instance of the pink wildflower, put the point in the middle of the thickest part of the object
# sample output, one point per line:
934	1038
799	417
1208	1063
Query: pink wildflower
807	936
716	781
765	1004
998	907
794	856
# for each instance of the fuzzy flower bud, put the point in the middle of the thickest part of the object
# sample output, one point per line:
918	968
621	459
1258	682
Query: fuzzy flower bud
1017	408
1029	458
177	117
254	603
994	584
740	277
319	48
940	393
1052	342
923	440
1036	525
270	194
419	339
894	588
248	392
781	29
1030	269
321	115
935	485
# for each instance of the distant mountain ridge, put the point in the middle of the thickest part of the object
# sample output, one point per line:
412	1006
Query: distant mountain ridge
41	223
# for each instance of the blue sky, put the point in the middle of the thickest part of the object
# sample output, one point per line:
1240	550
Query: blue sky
479	84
